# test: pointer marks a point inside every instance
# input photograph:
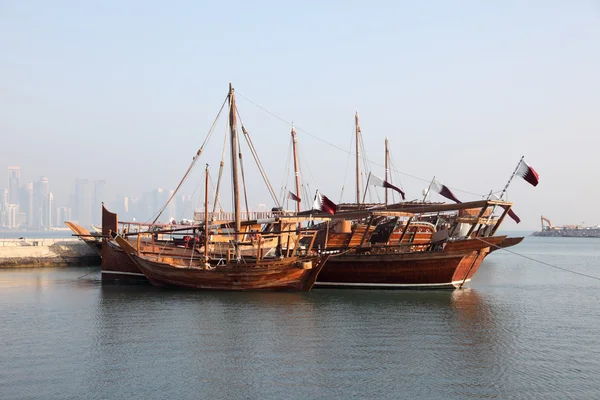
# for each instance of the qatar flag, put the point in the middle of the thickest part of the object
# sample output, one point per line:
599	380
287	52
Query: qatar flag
322	203
444	191
377	181
292	196
512	214
528	173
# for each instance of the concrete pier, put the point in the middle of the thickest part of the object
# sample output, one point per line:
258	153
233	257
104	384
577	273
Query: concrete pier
16	253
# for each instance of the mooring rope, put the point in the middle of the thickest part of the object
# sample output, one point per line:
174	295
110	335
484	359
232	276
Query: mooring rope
82	276
539	261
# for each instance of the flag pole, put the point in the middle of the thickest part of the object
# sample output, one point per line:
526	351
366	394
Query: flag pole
511	178
367	188
505	188
428	189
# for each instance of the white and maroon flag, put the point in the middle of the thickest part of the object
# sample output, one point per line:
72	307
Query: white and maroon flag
322	203
444	191
528	173
512	214
377	181
292	196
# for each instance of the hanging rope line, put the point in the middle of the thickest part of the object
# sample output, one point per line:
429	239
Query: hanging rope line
344	150
286	173
243	179
196	157
539	261
257	160
349	151
221	167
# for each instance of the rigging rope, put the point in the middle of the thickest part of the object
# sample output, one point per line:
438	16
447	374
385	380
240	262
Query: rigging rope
347	164
221	166
350	153
196	157
286	173
243	181
257	160
539	261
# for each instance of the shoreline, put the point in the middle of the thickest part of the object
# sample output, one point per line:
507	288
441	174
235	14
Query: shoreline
46	252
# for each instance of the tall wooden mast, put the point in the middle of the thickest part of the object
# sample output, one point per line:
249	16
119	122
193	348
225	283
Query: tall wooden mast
387	167
234	160
297	175
357	132
206	215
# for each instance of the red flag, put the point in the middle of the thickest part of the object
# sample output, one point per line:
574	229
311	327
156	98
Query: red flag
377	181
528	173
444	191
322	203
292	196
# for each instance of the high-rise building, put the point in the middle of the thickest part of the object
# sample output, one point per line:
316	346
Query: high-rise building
47	221
41	189
62	214
14	176
172	208
99	197
26	203
4	198
157	199
82	206
22	219
13	215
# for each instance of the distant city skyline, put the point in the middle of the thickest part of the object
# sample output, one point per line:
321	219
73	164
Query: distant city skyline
31	205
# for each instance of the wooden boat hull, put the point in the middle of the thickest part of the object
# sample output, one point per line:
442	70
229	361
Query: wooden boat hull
450	268
508	242
118	266
279	275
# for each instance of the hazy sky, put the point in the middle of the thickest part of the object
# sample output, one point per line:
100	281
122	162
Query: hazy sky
126	91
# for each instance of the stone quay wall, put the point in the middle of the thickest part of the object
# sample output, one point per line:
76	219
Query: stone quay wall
16	253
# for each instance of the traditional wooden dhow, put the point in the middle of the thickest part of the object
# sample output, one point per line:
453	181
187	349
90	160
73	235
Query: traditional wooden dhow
411	244
276	273
291	266
389	248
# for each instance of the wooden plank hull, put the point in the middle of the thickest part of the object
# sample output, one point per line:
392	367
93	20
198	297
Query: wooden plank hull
449	268
118	266
508	242
279	275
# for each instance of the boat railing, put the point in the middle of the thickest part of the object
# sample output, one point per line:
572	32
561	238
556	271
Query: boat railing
244	215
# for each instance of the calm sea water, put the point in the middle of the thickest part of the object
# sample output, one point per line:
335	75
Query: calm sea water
522	330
